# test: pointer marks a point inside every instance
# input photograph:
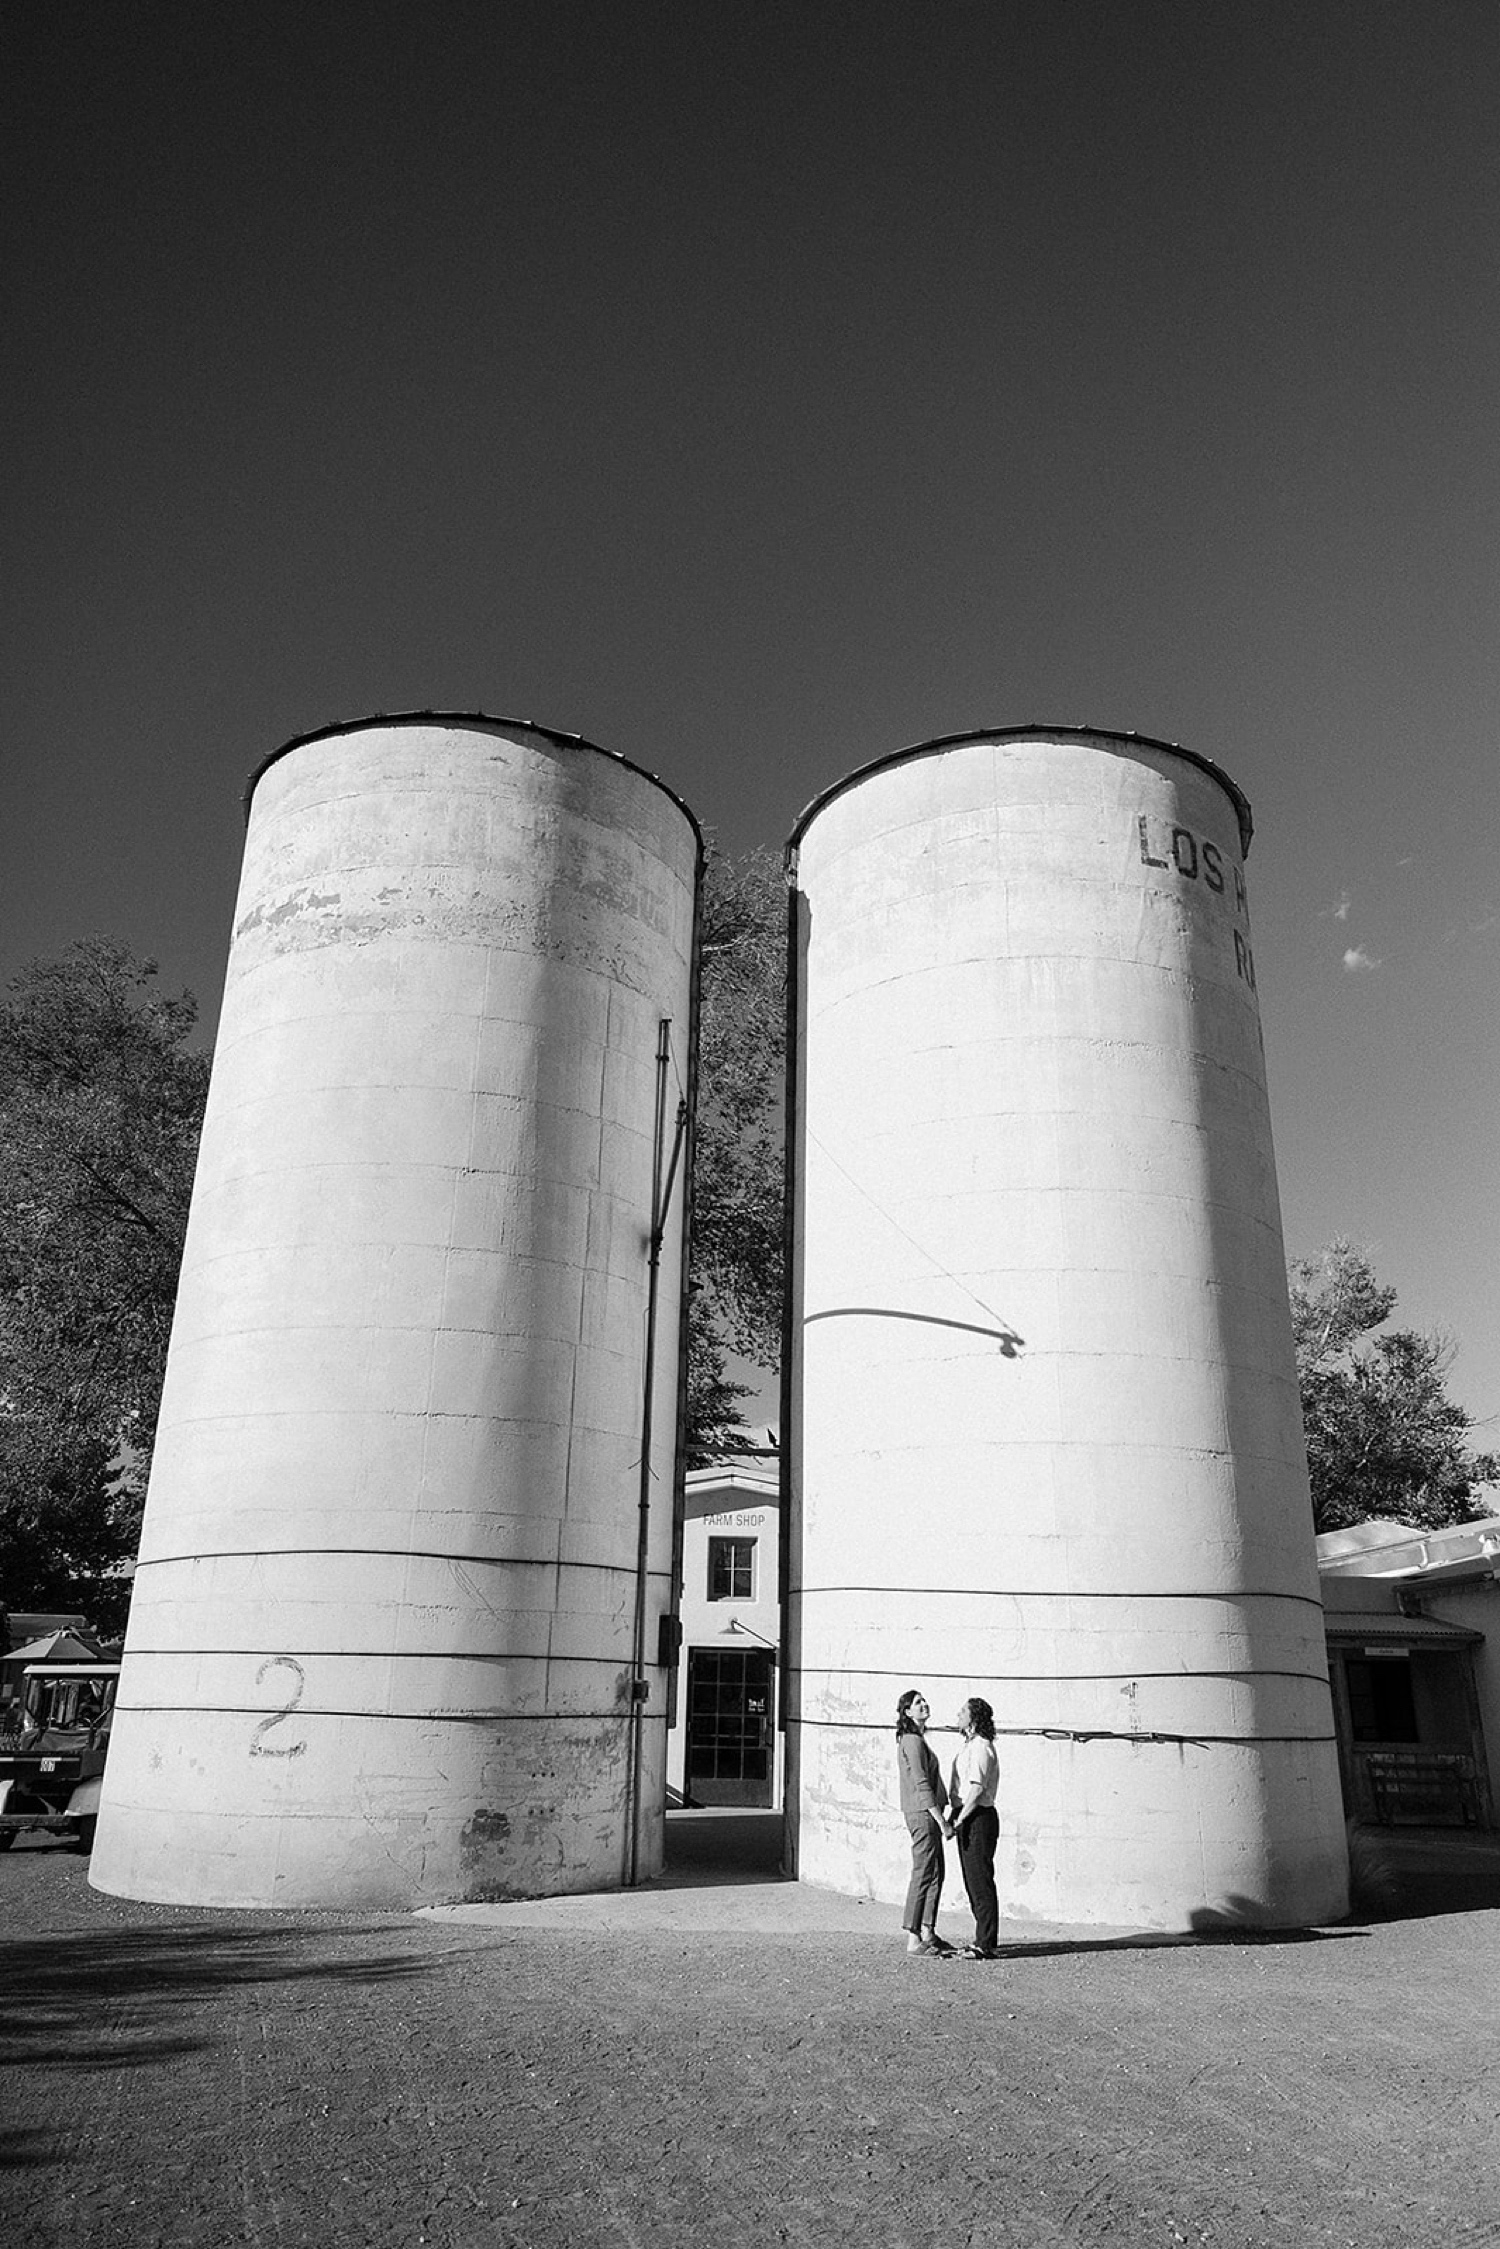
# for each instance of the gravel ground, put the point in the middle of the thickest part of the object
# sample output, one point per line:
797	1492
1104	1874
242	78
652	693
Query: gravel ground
190	2078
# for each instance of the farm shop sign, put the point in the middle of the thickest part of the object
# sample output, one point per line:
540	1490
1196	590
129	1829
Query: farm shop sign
1199	859
748	1519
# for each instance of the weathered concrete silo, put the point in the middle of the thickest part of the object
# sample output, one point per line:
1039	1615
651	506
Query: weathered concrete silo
409	1530
1050	1446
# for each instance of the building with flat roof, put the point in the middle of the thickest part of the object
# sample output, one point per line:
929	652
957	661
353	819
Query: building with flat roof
724	1746
1413	1626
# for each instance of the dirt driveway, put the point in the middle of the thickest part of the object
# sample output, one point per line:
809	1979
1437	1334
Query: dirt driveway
194	2078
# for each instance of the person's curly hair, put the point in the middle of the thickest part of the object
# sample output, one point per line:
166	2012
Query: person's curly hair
981	1717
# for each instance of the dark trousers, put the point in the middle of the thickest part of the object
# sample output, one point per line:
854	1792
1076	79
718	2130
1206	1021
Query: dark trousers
976	1855
926	1885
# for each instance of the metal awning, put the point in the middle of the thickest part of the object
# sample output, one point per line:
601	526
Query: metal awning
65	1647
71	1671
1347	1625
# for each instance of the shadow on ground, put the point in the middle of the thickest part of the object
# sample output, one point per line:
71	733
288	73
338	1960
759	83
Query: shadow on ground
1412	1874
722	1846
59	1988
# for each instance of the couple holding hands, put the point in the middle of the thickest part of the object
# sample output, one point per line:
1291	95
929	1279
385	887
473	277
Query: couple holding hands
965	1810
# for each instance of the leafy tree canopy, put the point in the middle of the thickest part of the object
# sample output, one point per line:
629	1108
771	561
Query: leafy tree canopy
100	1107
736	1263
1383	1436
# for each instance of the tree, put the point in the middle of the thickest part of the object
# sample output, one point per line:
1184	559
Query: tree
1383	1436
734	1282
100	1108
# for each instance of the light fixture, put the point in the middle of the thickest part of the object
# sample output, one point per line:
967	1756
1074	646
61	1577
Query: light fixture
734	1625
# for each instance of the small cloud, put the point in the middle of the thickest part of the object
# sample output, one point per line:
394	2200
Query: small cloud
1357	958
1339	910
1406	862
1490	921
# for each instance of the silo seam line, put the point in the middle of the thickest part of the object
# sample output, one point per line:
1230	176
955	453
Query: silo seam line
926	1450
371	1413
1049	1678
395	1655
486	1717
412	1164
856	992
1057	1593
1147	1195
389	1554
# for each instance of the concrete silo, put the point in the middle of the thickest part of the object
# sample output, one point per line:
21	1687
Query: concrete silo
1046	1438
408	1538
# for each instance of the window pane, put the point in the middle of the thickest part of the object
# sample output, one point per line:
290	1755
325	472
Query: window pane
731	1569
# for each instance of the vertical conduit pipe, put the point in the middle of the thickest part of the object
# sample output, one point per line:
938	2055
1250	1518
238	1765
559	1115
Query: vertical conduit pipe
661	1200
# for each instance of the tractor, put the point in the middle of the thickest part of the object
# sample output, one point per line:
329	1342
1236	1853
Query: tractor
52	1750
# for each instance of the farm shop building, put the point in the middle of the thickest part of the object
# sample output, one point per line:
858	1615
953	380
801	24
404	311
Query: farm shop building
725	1745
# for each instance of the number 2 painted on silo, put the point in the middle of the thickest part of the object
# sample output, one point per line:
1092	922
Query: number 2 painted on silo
257	1745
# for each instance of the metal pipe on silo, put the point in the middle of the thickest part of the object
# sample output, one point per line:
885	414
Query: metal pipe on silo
1042	1413
661	1204
389	1642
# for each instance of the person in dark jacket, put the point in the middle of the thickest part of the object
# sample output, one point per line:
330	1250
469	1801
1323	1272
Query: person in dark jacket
924	1810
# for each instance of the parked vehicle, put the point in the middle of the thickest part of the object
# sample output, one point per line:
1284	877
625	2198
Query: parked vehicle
52	1752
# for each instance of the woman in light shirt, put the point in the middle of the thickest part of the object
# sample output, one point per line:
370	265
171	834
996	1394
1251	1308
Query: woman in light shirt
975	1822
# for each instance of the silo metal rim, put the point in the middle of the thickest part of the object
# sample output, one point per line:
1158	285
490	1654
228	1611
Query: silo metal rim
477	720
1232	790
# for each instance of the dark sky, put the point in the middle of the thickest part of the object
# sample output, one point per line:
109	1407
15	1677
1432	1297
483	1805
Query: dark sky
755	388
